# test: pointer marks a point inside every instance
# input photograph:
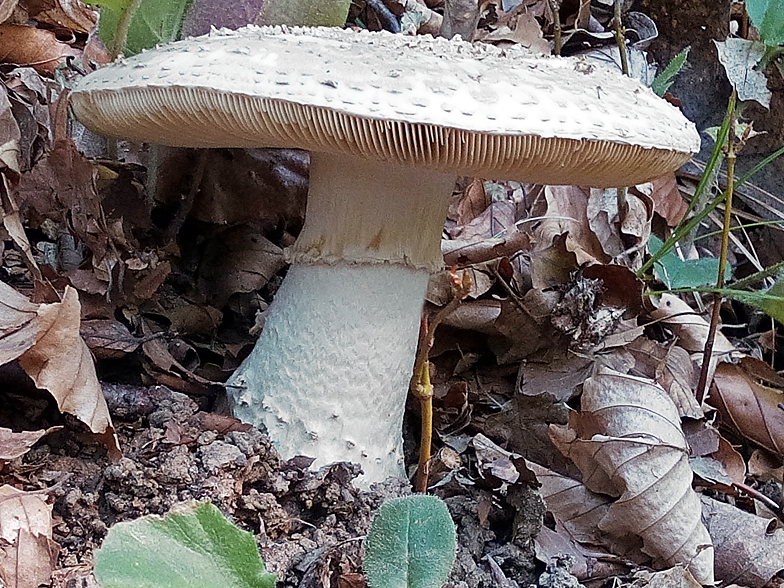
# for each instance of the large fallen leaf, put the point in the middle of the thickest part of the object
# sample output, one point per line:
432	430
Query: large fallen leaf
749	407
748	552
27	552
628	442
18	323
60	362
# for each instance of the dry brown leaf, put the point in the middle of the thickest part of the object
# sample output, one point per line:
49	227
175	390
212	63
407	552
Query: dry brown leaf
13	445
520	28
60	362
672	368
628	442
74	198
70	14
237	260
747	551
494	221
552	266
28	555
34	47
712	457
18	323
574	507
566	215
108	338
9	177
692	331
470	205
617	237
462	252
748	407
7	9
667	199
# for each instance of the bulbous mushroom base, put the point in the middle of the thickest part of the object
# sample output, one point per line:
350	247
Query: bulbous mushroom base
329	375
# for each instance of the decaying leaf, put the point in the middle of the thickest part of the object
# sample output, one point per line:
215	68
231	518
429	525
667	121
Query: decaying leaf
749	407
18	323
667	200
692	331
34	47
60	362
747	551
70	14
628	442
13	445
28	555
672	368
567	215
237	260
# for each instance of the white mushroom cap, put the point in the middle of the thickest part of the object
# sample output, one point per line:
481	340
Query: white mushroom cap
449	106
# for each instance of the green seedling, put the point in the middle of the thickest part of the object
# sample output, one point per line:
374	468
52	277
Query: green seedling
665	79
193	546
411	544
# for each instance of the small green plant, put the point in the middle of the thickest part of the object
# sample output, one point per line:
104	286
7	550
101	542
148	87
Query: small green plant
665	79
193	546
411	544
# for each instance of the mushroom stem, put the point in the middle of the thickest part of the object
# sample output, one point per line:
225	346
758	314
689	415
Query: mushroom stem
329	375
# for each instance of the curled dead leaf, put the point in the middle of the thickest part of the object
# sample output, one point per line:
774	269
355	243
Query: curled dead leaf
628	442
60	362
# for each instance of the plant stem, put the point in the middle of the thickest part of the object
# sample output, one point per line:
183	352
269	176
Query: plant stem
620	38
713	161
421	386
123	26
725	240
555	8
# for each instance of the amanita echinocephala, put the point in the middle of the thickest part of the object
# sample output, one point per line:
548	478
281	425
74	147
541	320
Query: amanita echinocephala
390	121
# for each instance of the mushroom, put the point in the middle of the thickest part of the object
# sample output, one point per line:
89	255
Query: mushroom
390	121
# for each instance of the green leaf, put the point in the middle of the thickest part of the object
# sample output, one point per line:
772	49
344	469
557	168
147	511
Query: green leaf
664	80
411	544
153	22
113	4
677	273
773	302
768	17
193	546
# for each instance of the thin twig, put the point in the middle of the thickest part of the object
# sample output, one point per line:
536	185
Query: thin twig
725	240
756	494
620	38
